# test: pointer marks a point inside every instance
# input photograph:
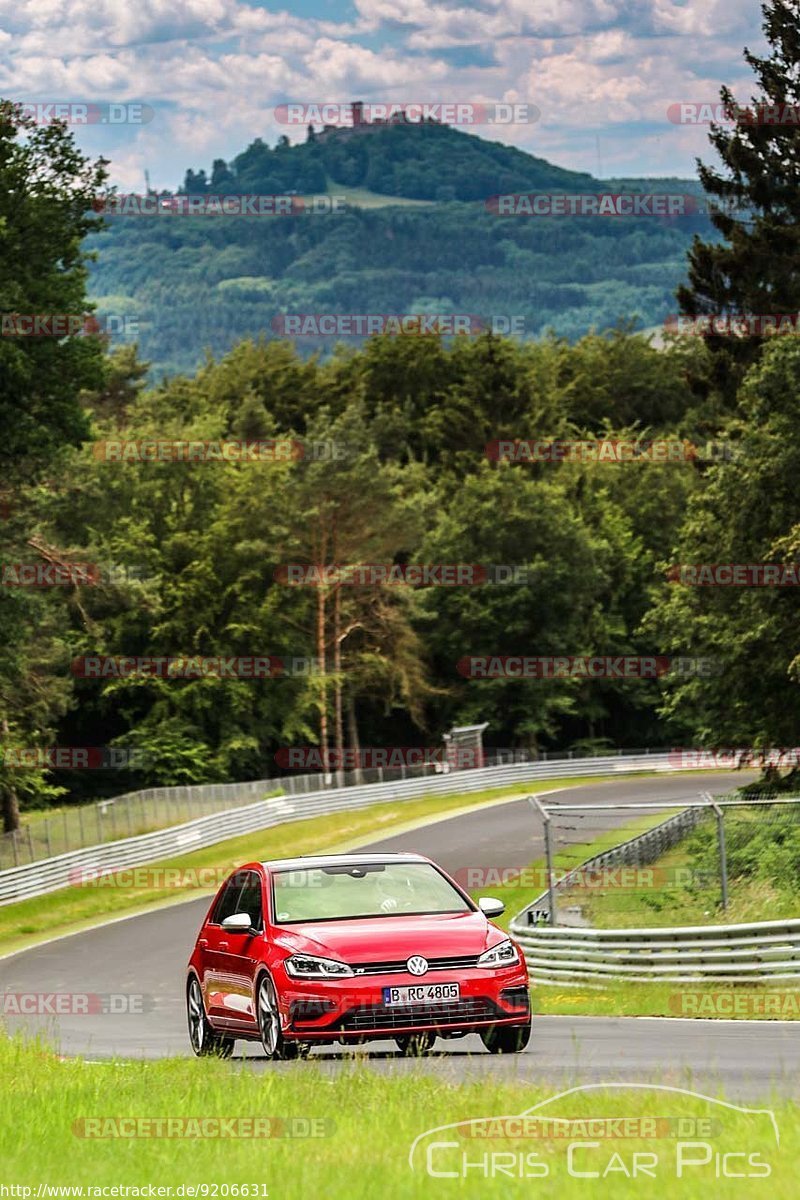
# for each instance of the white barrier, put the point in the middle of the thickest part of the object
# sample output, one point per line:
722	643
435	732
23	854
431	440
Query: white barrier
48	875
759	952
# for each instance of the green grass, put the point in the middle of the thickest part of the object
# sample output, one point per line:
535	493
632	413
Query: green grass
369	1122
28	921
687	888
630	909
362	197
519	892
656	999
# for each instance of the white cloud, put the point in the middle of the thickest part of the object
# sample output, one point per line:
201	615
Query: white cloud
213	70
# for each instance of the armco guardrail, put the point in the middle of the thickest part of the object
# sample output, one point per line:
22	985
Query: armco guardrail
764	950
47	875
767	950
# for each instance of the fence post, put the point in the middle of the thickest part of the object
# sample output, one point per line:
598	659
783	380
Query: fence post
723	854
15	847
30	842
47	835
548	849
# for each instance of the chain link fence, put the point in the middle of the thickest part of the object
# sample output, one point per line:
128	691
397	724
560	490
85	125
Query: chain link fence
727	858
44	835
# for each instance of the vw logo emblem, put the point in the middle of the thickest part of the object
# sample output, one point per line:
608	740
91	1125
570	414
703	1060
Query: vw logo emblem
417	965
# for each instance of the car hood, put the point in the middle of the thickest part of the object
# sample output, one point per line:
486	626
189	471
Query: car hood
383	939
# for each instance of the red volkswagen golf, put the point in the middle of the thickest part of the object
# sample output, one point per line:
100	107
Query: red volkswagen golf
350	948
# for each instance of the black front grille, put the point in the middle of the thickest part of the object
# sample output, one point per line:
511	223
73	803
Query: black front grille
398	966
460	1012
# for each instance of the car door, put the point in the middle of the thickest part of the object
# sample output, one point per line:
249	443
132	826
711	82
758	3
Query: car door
238	954
215	943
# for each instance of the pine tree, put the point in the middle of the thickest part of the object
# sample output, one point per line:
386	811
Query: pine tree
755	203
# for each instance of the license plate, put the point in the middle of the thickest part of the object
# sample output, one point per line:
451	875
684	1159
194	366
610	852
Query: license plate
421	993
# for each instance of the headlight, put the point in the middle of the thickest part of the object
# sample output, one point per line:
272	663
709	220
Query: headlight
504	954
307	966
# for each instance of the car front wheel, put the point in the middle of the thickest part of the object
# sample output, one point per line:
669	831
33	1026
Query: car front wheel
269	1025
506	1039
205	1042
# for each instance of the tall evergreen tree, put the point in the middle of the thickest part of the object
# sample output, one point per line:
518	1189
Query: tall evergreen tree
755	201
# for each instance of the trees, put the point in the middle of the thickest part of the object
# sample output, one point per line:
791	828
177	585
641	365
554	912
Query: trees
46	193
755	202
747	513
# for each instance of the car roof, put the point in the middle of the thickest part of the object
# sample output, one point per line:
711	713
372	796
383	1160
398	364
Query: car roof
340	860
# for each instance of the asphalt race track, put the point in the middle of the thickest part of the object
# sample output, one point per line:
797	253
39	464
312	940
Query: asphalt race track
146	955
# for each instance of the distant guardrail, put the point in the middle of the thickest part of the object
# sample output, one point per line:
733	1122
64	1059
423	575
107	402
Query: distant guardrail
110	819
50	874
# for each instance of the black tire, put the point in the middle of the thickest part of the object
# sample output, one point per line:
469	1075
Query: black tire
205	1042
275	1045
506	1039
415	1045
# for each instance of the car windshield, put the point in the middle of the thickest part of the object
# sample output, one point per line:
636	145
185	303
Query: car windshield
339	892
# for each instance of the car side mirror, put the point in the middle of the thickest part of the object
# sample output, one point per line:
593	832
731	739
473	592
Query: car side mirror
491	907
238	923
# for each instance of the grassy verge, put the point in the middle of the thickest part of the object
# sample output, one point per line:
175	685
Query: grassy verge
751	1002
522	889
628	909
366	1124
763	848
28	921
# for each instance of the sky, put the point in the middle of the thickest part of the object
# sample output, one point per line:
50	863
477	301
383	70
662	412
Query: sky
197	80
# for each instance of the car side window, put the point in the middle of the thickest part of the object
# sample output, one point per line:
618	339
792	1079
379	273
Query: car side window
250	899
228	902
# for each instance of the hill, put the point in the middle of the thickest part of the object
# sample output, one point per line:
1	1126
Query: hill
415	235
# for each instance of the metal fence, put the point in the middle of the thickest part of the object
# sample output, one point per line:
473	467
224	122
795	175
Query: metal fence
722	832
47	835
38	877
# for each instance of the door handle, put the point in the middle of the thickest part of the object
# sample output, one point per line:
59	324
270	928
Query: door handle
222	945
203	942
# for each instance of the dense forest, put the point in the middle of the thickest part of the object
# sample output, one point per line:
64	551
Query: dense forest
182	285
137	524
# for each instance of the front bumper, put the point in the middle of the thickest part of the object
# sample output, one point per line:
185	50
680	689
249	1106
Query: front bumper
353	1008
